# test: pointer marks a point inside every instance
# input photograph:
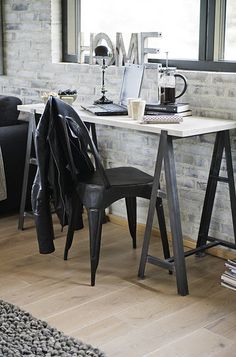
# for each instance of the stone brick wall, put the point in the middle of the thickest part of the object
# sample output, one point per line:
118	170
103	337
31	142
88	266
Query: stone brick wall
32	56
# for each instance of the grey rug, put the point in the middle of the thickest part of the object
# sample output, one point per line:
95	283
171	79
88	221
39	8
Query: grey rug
23	335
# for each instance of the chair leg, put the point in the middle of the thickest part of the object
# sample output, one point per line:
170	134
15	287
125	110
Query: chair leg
131	207
162	226
95	217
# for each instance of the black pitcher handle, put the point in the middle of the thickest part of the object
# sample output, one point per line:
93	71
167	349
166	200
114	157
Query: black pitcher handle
185	84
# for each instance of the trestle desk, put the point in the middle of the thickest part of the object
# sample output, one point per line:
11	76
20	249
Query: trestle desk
191	126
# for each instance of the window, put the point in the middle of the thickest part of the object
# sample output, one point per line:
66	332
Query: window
230	31
71	29
1	40
198	34
131	16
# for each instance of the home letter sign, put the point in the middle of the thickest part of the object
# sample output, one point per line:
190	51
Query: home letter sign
137	51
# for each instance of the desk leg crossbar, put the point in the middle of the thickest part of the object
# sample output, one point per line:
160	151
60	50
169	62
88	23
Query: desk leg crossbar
177	262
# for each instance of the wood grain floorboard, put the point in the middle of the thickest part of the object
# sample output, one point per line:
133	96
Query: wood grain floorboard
199	343
123	315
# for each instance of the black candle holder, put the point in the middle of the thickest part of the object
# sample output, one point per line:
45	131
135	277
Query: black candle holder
101	55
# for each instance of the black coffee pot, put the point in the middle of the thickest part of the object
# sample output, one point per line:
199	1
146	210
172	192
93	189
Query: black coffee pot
167	85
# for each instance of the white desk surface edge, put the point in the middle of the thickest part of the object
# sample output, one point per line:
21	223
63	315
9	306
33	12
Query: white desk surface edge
190	126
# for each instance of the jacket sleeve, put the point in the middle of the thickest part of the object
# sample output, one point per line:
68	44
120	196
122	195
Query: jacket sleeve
40	195
42	217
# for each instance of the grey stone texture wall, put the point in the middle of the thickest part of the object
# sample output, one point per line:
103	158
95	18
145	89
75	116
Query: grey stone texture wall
32	55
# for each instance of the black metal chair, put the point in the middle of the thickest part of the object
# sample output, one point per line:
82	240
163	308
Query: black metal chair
101	187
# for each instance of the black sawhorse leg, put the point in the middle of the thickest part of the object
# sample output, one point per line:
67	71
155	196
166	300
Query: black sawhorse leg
222	143
28	160
177	262
166	155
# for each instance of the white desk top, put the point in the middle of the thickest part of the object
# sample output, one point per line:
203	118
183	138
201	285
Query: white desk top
189	127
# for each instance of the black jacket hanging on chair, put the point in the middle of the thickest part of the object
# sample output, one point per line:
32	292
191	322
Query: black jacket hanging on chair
53	184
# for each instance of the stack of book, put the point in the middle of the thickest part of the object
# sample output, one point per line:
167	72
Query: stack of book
182	109
228	278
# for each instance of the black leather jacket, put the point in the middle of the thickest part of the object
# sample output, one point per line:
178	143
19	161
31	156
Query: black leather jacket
53	185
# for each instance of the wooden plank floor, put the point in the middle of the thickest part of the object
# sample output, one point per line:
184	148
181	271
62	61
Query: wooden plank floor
122	315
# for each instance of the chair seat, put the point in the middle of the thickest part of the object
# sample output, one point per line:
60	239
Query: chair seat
124	182
120	176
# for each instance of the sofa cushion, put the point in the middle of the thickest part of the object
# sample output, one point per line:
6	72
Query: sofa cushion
8	110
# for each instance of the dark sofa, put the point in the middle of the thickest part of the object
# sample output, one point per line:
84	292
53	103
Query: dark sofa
13	140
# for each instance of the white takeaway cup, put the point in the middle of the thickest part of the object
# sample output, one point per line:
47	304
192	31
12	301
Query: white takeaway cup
137	109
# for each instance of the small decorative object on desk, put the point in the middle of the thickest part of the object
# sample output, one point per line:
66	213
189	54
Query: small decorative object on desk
46	95
68	95
228	278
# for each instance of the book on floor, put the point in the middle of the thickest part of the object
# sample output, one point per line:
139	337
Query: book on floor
228	278
167	108
232	270
231	265
226	285
231	262
230	274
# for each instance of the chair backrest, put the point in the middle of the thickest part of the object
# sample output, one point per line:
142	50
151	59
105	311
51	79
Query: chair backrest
76	140
8	110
